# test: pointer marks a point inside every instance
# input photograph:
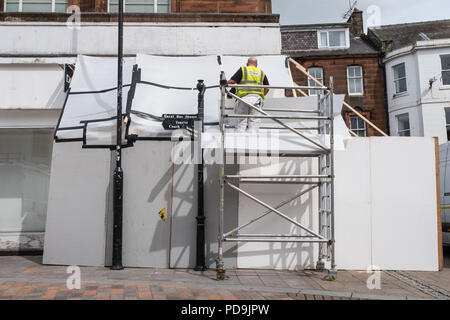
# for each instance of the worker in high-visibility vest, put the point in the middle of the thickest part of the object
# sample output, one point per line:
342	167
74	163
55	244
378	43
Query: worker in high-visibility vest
249	75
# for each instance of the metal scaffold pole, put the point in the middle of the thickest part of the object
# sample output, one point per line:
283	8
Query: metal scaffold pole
323	181
332	272
220	264
118	172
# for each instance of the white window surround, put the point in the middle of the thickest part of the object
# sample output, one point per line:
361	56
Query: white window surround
398	80
20	3
447	122
445	70
356	76
153	3
403	125
316	72
327	33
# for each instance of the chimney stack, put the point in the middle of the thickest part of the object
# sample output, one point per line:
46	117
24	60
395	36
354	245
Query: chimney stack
357	24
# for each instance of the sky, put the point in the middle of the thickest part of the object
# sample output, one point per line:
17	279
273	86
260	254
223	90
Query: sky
376	12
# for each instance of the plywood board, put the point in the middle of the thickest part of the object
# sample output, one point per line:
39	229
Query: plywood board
77	207
403	182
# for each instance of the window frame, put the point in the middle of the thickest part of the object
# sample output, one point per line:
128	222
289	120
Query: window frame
446	70
361	77
447	122
312	83
319	43
358	129
155	6
20	5
399	132
399	79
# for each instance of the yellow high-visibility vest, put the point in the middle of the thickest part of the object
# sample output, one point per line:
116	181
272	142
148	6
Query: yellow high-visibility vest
251	75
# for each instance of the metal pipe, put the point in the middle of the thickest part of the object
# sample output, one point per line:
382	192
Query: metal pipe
278	121
277	176
269	211
200	259
280	110
320	263
333	257
220	264
290	110
275	117
279	128
273	240
118	172
275	87
274	210
270	235
277	181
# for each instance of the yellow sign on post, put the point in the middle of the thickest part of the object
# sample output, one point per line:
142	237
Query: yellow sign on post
162	214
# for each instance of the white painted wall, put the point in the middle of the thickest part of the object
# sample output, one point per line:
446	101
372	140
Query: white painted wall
31	86
386	210
415	120
409	98
153	38
424	105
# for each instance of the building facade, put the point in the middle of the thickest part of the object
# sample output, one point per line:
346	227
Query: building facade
417	63
147	6
40	44
344	52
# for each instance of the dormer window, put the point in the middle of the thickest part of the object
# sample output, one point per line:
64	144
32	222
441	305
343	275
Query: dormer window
333	38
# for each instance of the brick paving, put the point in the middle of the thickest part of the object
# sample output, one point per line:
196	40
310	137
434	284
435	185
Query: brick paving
24	277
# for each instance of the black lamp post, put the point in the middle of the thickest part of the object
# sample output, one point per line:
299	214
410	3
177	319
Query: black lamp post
200	259
118	172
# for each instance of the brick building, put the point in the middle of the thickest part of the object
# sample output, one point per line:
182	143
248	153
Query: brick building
148	6
343	51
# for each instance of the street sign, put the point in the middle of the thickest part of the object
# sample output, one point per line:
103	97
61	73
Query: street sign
179	121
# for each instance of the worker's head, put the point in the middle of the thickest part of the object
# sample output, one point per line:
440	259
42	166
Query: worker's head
252	61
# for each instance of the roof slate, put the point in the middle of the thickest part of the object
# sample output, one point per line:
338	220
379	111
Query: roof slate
403	35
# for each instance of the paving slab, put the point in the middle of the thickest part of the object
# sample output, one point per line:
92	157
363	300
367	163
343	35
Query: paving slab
24	277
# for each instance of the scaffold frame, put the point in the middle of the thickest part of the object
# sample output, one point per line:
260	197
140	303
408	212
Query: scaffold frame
323	181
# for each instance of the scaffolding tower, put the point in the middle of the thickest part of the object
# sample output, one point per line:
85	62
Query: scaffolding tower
322	181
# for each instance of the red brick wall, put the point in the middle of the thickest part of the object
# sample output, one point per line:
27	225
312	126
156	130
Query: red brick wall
90	5
218	6
225	6
190	6
372	103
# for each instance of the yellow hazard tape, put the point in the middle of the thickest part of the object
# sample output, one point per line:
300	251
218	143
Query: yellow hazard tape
162	214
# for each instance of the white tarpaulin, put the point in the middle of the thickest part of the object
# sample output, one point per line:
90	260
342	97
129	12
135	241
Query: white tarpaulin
167	85
92	94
